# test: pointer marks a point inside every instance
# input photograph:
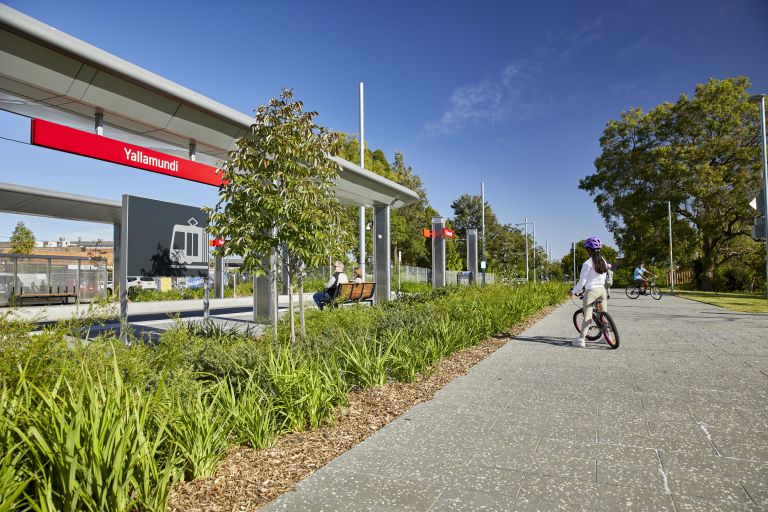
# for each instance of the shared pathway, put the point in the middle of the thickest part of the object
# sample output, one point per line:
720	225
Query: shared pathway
675	419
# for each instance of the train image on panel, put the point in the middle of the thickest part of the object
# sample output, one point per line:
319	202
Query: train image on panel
189	246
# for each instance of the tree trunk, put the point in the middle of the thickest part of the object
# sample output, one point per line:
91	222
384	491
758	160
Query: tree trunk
302	324
290	308
707	276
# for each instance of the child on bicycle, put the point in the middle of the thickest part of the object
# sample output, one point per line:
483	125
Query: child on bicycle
592	280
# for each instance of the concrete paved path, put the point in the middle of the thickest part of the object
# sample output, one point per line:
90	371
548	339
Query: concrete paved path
675	419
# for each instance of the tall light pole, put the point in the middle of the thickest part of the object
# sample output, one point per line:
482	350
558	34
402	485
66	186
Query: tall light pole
671	261
761	99
534	252
525	233
483	264
361	226
573	248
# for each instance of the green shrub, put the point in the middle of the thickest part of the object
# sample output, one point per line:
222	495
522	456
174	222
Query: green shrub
200	429
143	416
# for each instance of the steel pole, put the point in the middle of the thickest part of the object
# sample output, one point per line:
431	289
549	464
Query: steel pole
482	216
361	225
671	261
765	186
573	248
525	228
534	252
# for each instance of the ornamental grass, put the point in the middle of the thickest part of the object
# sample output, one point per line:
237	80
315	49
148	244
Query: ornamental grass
92	424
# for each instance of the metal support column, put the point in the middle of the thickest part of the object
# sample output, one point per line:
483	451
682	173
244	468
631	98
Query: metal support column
261	297
218	277
472	255
284	276
381	253
438	253
122	276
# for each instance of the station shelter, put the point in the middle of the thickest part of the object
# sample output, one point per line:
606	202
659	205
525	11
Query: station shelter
86	101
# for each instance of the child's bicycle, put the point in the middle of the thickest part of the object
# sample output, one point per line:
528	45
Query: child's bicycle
602	324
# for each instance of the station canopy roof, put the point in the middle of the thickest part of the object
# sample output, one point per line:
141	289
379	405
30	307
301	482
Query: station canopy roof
47	74
48	203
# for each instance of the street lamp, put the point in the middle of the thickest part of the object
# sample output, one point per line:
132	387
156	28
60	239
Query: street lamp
761	99
525	224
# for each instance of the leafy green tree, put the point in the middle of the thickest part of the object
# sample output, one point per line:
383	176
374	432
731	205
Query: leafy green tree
278	189
22	239
702	155
566	262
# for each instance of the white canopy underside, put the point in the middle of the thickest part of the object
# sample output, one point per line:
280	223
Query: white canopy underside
47	74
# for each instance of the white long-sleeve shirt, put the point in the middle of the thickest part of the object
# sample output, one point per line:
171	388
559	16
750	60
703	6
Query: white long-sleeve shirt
589	278
342	280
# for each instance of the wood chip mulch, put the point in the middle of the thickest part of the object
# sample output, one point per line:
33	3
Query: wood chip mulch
247	479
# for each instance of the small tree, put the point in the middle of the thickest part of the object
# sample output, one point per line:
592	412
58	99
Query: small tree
22	239
278	189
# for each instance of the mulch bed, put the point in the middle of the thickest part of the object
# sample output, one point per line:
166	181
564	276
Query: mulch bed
247	479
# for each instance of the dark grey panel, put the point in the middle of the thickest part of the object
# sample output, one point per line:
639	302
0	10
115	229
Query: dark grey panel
166	239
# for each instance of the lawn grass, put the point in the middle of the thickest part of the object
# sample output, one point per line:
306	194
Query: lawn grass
744	302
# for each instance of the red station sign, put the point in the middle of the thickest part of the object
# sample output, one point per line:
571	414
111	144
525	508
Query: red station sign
71	140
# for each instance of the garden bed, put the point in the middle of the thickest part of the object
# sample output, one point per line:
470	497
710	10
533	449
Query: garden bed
247	479
155	418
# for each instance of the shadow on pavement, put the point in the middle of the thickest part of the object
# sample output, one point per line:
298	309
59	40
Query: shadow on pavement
561	342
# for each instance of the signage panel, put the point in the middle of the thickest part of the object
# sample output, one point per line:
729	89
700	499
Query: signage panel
165	239
71	140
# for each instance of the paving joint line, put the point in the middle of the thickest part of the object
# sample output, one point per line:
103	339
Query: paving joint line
438	497
663	474
747	492
709	436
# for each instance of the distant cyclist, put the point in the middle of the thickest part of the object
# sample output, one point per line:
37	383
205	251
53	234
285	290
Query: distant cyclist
641	276
592	281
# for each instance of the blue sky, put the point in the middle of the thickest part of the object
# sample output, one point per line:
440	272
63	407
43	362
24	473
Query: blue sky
514	94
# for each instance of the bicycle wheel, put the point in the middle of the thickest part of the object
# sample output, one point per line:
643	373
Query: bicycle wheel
655	292
633	292
609	330
593	331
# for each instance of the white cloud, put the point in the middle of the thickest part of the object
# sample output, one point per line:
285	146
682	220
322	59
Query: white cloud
519	90
489	101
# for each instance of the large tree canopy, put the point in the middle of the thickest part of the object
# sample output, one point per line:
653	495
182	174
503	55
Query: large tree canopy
406	222
504	243
699	153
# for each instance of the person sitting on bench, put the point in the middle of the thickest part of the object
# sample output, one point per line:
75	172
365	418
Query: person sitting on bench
358	273
338	277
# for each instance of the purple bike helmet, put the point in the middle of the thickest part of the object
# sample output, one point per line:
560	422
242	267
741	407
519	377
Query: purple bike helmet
593	243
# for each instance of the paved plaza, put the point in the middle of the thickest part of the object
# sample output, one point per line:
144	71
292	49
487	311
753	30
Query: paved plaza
675	419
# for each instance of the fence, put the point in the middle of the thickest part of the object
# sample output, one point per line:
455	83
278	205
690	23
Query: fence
86	278
424	275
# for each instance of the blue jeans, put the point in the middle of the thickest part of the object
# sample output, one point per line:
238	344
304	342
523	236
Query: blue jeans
321	299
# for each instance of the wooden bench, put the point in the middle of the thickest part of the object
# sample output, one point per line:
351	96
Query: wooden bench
353	292
63	298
